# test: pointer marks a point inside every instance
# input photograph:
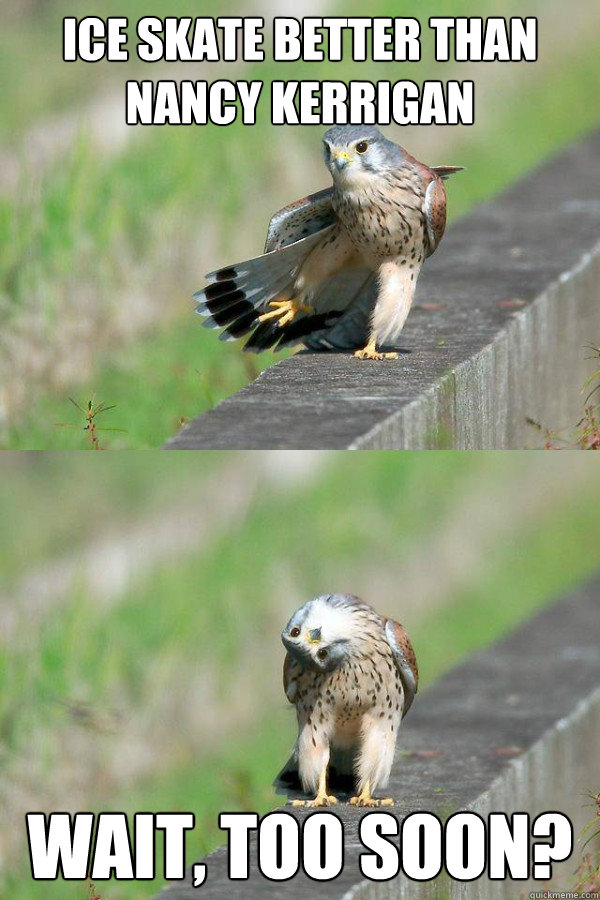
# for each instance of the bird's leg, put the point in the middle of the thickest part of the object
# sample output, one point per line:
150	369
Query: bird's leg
365	798
285	310
397	280
370	352
322	798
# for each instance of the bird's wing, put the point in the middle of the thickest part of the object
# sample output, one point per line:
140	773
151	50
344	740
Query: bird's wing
237	294
405	659
446	171
434	209
290	685
300	219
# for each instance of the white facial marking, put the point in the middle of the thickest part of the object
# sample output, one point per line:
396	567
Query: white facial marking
335	622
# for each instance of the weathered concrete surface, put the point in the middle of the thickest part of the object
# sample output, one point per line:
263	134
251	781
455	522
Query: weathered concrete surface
516	728
519	280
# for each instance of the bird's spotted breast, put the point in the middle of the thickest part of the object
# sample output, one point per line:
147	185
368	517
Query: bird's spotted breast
368	683
385	220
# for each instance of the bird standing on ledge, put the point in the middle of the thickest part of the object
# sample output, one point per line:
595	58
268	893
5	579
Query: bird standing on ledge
352	676
340	267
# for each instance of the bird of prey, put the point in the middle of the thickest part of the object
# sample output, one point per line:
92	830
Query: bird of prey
352	676
340	267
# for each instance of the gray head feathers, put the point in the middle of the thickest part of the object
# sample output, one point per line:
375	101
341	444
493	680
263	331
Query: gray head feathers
353	150
341	135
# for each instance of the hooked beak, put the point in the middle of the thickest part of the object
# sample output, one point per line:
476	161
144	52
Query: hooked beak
314	636
341	159
297	650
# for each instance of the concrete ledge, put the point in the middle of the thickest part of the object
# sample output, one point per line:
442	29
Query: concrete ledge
516	728
519	280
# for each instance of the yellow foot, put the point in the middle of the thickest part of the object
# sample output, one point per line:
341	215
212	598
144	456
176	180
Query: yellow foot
371	801
285	310
370	352
320	800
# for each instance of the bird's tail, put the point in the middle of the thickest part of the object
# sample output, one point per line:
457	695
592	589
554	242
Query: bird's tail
237	295
340	774
444	172
288	780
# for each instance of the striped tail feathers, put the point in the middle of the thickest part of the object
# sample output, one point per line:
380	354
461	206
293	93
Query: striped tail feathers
237	295
272	337
333	303
264	337
241	290
232	304
297	331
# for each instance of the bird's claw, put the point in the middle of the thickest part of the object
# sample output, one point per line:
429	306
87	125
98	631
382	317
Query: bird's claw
320	800
371	801
370	352
285	311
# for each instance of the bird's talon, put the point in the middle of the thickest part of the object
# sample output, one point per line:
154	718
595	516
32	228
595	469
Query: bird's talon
285	311
371	801
370	352
320	800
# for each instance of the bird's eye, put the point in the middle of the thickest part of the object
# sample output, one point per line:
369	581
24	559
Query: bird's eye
295	631
322	653
326	149
362	147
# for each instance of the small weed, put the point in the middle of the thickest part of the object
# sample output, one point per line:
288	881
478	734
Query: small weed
588	872
585	435
91	412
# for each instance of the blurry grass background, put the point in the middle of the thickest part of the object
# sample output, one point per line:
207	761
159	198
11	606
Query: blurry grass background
141	608
106	230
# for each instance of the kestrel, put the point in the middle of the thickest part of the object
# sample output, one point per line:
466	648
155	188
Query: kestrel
352	676
340	267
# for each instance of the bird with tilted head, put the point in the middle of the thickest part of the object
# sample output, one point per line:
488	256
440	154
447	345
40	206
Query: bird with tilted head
340	266
352	676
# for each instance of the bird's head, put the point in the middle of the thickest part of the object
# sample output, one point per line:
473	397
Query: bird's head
320	634
353	152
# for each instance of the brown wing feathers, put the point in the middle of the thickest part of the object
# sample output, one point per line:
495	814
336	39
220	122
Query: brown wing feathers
434	209
405	658
299	220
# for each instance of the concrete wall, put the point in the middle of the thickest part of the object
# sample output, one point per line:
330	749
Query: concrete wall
514	728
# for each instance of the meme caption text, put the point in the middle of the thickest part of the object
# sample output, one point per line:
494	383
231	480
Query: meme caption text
239	40
466	846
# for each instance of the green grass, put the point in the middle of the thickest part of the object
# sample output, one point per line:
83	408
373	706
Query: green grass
184	370
207	607
33	488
